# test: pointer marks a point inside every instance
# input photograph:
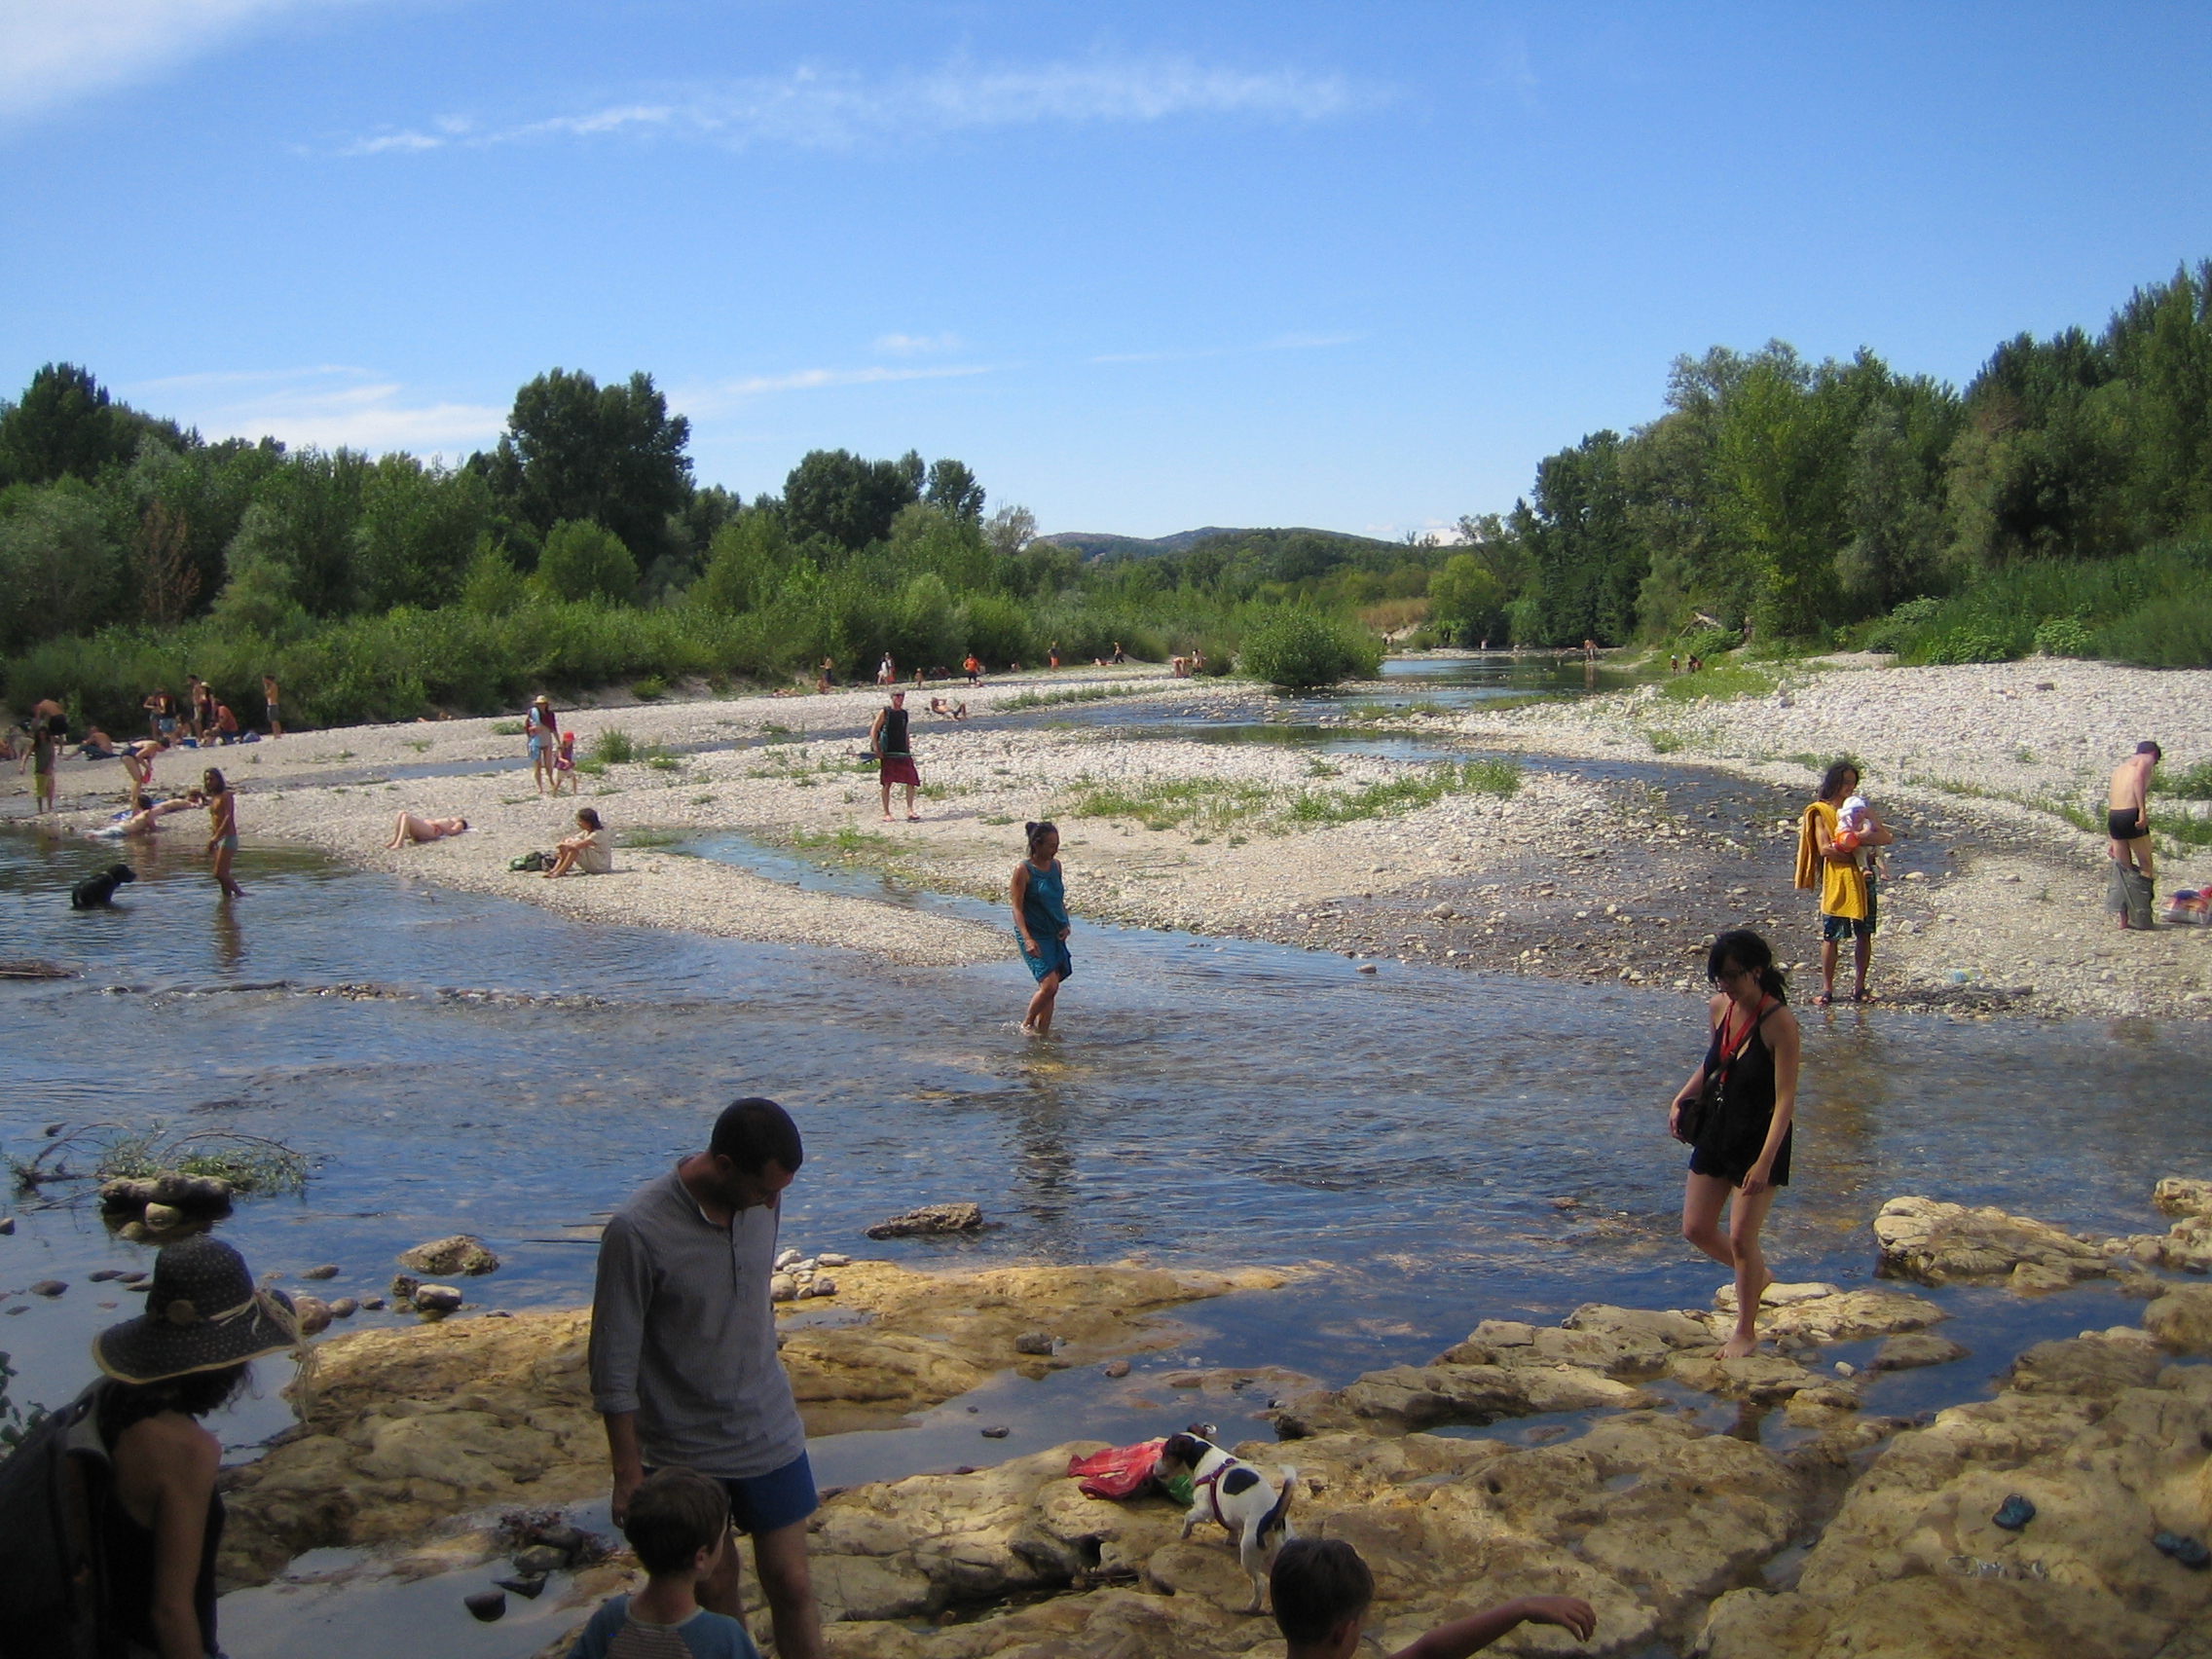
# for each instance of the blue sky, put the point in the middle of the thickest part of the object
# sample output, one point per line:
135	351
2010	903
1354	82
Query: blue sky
1142	267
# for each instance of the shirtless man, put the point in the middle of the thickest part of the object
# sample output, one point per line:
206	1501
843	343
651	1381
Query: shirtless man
2127	811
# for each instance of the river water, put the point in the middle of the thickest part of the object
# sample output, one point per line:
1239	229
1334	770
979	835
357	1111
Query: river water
456	1062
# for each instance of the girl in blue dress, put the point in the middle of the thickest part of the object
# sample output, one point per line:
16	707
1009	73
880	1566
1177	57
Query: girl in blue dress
1040	922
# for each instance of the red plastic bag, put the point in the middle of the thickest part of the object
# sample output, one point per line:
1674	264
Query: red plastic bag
1120	1471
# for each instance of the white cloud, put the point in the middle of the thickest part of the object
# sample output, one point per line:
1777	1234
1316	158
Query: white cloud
829	109
915	345
56	51
714	398
328	406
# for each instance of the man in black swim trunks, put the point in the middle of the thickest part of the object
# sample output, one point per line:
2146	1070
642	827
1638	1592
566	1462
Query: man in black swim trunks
2127	810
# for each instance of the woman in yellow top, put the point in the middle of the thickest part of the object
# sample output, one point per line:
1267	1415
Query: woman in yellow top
1847	891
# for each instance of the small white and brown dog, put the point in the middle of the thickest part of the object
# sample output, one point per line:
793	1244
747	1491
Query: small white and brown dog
1230	1490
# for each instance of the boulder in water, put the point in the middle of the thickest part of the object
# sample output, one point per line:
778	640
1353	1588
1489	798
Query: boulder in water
929	1220
463	1254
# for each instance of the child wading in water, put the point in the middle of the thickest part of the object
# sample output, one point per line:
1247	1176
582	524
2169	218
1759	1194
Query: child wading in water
1040	922
222	830
1737	1112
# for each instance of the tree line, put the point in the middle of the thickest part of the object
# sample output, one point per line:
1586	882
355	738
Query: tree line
1803	498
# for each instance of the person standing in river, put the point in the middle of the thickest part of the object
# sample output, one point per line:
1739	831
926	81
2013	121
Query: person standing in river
1847	892
888	742
222	830
1738	1112
1039	892
2127	812
682	1356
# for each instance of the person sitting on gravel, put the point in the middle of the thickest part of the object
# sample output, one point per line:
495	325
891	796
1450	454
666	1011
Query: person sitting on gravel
591	850
679	1525
1322	1591
411	827
952	712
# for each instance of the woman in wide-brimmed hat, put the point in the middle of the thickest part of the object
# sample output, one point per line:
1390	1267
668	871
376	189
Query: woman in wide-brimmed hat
158	1523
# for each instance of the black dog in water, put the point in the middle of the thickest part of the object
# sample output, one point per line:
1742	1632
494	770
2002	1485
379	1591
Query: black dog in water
95	891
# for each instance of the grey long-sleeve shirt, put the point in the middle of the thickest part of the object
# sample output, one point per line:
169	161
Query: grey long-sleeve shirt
683	1334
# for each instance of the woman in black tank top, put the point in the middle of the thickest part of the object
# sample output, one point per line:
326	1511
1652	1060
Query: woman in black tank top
1742	1100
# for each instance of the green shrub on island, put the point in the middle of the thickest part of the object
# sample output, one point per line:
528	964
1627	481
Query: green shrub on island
1297	649
613	747
649	689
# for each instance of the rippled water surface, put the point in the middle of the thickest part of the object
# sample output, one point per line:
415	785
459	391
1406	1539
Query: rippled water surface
456	1062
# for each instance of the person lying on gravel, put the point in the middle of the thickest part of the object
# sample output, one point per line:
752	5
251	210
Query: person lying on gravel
679	1525
411	827
1322	1591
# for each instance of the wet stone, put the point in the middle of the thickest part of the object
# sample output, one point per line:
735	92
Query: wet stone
1911	1349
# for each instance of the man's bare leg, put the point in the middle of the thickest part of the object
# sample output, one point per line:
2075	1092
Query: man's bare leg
1828	954
1861	958
723	1591
780	1558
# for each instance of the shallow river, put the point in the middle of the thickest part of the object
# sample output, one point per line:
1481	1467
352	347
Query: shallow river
516	1075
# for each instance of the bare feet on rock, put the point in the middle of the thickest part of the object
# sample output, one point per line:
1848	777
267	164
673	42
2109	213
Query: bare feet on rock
1741	1346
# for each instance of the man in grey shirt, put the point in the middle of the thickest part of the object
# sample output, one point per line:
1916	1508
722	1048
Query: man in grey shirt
684	1364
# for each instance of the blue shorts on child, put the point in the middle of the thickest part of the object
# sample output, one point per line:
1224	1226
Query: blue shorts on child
614	1634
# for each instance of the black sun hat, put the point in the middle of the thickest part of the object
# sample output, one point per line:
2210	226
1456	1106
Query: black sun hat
204	1312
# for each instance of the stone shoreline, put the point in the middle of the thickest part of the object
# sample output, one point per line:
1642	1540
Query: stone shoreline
1566	878
1865	1534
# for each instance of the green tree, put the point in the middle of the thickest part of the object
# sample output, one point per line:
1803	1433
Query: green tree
835	493
1464	597
582	560
61	565
1296	646
492	586
417	532
261	585
575	450
67	427
745	565
953	489
1588	564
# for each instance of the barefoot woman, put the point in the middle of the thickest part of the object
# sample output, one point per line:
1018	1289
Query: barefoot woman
1040	922
1740	1129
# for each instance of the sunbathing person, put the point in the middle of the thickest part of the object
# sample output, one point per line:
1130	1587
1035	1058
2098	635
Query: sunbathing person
957	712
410	827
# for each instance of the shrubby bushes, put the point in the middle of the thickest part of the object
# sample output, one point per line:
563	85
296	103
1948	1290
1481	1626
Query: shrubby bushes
1297	648
2153	608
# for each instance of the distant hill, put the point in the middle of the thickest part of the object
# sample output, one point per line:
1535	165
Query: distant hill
1098	545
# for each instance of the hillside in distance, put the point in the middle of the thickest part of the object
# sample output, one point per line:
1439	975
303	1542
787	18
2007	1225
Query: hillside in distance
1100	544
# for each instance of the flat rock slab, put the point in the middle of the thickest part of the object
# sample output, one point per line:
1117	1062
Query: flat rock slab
1408	1398
1914	1566
1940	1243
1909	1351
442	1258
2181	1319
1827	1312
2179	1195
413	1426
1763	1379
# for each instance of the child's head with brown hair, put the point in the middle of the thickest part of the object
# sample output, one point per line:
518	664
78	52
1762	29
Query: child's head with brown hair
1322	1590
587	819
212	781
673	1517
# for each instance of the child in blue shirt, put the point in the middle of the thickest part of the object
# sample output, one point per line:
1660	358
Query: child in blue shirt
679	1525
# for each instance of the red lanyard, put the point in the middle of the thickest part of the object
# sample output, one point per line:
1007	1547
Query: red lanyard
1728	1054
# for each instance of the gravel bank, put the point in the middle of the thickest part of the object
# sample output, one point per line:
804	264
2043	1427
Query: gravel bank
1574	875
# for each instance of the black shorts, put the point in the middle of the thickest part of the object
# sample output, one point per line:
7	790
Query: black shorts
1725	1167
2127	825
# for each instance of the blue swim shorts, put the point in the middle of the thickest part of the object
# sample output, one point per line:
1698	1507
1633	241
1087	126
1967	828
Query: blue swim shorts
764	1504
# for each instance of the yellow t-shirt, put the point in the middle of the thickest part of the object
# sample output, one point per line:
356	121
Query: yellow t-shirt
1843	886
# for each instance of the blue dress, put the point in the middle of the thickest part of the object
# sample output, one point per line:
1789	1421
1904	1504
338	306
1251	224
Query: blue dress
1045	913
